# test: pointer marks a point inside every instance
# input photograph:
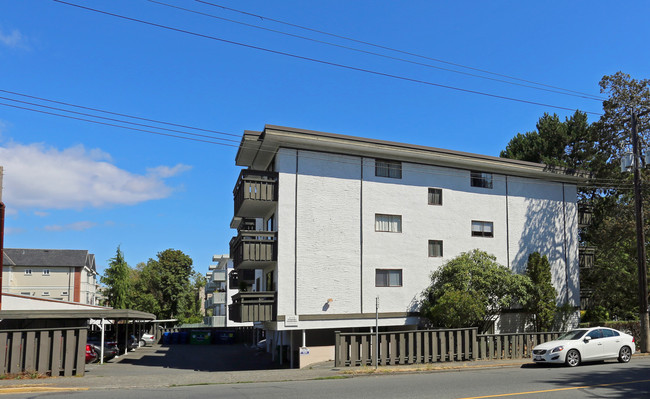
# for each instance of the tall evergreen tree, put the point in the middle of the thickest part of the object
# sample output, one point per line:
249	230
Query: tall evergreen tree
541	302
117	279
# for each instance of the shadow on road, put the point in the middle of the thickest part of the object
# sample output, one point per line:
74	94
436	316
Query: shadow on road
235	357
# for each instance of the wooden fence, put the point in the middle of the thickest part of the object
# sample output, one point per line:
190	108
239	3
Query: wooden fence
47	351
405	347
432	346
511	346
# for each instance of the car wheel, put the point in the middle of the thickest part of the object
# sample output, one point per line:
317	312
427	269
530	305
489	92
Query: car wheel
142	343
625	354
572	358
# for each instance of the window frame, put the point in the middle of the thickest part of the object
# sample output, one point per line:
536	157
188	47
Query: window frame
433	242
28	272
46	272
390	169
390	223
387	273
46	293
481	179
482	232
431	190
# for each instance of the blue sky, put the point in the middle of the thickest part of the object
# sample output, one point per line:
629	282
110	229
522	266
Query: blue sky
79	185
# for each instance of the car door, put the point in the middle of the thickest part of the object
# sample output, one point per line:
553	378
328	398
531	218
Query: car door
592	349
611	343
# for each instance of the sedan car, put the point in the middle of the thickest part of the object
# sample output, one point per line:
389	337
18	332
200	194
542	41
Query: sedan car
91	355
147	339
585	345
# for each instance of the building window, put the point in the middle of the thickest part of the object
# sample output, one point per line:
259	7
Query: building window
388	278
435	196
481	179
46	293
388	223
482	229
28	272
384	168
435	248
46	272
26	293
64	293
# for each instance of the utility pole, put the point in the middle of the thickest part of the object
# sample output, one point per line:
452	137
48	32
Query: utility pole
2	236
640	241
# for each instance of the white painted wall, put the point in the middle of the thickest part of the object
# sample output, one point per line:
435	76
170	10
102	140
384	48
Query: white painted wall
331	231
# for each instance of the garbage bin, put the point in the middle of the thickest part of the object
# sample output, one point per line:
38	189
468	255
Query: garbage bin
166	338
200	337
182	338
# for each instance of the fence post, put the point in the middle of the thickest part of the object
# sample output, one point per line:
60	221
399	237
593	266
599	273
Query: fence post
474	344
337	348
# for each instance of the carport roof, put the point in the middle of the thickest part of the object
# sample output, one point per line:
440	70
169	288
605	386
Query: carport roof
112	314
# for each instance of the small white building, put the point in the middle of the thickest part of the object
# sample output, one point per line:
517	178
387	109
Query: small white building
329	223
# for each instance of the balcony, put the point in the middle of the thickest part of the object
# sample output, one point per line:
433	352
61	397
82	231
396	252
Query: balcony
587	257
219	275
252	307
255	193
585	214
254	249
245	275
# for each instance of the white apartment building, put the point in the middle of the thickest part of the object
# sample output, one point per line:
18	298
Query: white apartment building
59	274
221	286
330	223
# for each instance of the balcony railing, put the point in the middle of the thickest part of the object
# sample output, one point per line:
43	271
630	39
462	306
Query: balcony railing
255	193
585	214
235	276
253	249
252	307
587	257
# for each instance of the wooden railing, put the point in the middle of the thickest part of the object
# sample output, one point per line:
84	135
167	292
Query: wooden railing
250	248
511	346
405	347
257	186
46	351
432	346
252	306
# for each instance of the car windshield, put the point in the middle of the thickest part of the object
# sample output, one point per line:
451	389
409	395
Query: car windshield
573	334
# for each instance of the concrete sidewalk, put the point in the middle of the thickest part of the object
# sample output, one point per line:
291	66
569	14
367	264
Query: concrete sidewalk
166	366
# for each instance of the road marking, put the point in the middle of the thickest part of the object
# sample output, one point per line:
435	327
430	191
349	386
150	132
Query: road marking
555	390
35	388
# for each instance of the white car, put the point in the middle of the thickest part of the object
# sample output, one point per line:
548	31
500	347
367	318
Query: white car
147	339
585	345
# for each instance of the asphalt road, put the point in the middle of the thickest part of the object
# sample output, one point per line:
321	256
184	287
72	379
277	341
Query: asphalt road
601	380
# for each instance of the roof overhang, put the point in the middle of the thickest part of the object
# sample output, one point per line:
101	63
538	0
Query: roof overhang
257	151
113	314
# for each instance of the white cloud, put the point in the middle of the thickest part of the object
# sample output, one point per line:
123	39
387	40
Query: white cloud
14	230
14	39
37	176
77	226
41	214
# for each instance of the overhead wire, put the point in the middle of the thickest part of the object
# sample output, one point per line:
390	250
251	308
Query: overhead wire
562	92
117	120
262	17
324	62
424	169
117	114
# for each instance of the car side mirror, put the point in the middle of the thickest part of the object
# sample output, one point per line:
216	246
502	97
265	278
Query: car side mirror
587	339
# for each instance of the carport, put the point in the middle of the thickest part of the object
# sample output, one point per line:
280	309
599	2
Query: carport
54	339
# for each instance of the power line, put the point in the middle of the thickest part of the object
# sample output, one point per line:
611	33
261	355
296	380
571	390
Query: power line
329	63
392	49
118	114
563	91
117	120
407	166
118	126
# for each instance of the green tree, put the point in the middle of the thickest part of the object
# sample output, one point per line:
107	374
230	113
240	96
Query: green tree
117	280
167	281
471	290
542	295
